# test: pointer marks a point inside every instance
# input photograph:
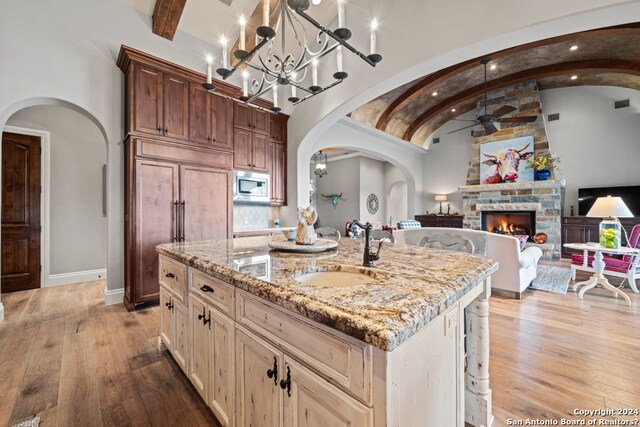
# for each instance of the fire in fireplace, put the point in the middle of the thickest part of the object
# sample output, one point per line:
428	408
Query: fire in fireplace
513	223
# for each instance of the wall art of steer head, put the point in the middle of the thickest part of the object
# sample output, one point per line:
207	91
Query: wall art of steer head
334	199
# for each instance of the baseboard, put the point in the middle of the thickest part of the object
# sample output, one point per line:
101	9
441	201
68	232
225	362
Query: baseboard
113	296
76	277
1	312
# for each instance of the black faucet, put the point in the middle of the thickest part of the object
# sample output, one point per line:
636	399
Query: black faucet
368	257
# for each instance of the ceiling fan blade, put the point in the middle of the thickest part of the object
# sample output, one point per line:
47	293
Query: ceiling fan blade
523	119
458	130
505	109
489	129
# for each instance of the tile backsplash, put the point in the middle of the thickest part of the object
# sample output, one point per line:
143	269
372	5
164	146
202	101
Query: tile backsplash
254	216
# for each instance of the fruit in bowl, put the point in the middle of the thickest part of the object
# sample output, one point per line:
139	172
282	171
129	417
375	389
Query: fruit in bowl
610	238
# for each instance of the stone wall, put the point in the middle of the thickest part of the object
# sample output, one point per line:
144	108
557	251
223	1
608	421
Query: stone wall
526	98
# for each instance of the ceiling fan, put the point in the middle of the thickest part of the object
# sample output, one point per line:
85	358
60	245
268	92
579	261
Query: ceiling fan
487	120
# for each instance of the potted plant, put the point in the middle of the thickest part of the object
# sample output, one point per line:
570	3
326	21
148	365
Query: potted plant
543	166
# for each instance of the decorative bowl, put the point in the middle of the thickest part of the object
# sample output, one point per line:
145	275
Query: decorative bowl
290	235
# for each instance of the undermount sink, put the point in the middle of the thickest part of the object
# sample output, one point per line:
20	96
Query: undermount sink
335	278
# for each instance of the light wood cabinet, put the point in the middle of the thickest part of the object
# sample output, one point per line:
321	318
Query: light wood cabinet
174	327
199	355
166	319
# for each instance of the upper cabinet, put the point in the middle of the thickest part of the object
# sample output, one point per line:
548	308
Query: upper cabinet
210	118
160	103
251	118
278	128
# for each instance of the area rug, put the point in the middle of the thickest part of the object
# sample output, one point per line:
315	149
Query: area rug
33	422
552	279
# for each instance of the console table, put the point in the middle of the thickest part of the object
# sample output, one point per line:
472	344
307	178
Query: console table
450	221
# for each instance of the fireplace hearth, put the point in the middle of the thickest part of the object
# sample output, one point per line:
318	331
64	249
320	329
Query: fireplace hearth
513	223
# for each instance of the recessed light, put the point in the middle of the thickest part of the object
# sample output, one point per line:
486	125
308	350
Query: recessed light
493	67
434	93
453	110
574	47
574	77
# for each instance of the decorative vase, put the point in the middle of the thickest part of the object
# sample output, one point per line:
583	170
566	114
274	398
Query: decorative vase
543	175
610	233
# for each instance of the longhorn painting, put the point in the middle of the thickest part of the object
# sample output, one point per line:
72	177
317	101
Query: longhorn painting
505	161
334	199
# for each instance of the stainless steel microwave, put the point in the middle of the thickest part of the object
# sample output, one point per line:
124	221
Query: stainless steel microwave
251	187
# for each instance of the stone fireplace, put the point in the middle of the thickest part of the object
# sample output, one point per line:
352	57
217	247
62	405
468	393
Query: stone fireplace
512	223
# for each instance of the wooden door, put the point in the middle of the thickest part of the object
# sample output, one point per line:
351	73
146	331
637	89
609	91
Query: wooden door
20	262
261	121
156	223
313	402
260	152
242	149
181	335
222	122
206	193
242	116
222	368
166	319
199	335
258	397
199	114
176	107
279	174
147	100
277	129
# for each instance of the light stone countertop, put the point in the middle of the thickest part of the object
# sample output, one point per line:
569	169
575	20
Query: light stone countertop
411	285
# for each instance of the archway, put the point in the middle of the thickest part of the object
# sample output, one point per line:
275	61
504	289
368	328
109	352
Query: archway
397	194
22	114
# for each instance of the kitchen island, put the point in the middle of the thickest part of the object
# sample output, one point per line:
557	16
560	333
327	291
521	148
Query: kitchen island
263	345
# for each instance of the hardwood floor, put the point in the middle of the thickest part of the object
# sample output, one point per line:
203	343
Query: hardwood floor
73	361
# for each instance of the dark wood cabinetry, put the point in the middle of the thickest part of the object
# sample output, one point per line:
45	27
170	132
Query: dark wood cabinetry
582	229
251	138
210	118
450	221
278	159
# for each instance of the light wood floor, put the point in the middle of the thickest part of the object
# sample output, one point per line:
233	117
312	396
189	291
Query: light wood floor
69	359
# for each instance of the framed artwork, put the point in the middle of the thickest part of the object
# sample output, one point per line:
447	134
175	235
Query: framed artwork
505	161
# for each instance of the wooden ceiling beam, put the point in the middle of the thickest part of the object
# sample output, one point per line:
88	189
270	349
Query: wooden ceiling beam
591	66
431	81
166	17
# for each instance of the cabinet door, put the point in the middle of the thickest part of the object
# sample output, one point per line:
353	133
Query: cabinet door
199	354
279	176
261	121
199	114
166	319
313	402
242	149
176	107
260	152
181	338
206	193
258	397
278	129
156	191
573	234
222	122
147	100
242	116
222	368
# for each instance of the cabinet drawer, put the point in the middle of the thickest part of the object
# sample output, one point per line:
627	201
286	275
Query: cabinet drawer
215	291
345	362
173	275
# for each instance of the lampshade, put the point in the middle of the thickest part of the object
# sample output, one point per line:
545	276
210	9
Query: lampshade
441	197
609	207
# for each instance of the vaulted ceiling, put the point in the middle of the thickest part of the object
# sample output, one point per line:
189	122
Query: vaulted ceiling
608	56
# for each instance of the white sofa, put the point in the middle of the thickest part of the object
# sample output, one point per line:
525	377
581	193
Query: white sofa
516	268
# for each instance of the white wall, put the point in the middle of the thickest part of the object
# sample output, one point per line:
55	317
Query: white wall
343	176
372	182
598	145
396	195
445	165
78	229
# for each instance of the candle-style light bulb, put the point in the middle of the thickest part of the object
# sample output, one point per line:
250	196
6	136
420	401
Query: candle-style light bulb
225	53
374	28
275	96
314	72
209	59
339	58
340	13
265	13
243	24
294	90
245	83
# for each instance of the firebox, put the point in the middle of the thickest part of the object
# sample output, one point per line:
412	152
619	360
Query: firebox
510	222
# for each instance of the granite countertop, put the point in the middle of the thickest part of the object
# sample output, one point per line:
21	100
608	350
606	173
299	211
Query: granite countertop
411	285
263	230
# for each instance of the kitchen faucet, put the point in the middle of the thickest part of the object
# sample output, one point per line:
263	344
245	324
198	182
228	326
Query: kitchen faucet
368	257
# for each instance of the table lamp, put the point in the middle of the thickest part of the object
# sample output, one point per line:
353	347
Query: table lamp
610	208
441	198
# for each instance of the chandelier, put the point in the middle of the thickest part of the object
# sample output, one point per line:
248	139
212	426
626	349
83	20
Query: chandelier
320	164
276	65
